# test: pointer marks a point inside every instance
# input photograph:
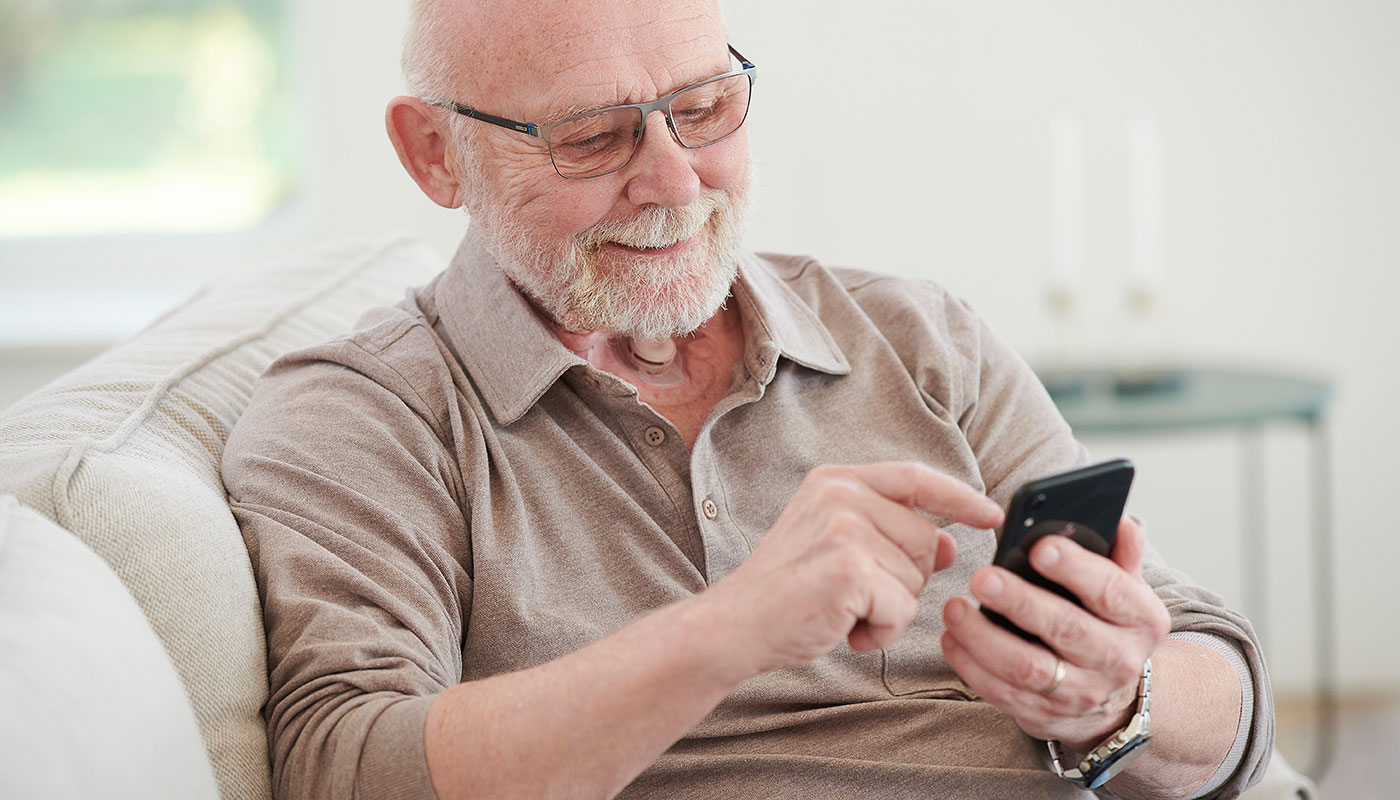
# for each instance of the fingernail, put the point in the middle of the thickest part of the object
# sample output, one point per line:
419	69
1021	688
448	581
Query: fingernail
992	585
956	612
1048	555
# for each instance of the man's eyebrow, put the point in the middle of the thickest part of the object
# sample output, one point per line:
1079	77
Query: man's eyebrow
564	112
556	114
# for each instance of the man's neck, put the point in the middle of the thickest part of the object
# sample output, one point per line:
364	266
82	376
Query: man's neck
682	378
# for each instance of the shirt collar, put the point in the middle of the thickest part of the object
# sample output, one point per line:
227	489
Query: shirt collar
775	316
513	358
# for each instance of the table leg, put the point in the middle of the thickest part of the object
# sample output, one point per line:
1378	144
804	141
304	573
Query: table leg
1324	609
1253	540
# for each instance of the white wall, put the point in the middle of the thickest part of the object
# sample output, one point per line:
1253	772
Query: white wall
914	137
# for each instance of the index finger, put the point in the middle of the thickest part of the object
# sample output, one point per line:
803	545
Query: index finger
921	486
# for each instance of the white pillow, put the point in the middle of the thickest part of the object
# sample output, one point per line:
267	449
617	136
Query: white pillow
124	453
92	704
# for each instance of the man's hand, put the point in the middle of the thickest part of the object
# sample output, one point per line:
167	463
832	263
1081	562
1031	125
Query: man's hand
1103	644
846	559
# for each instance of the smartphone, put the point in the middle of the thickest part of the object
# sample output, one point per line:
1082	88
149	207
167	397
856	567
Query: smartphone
1084	504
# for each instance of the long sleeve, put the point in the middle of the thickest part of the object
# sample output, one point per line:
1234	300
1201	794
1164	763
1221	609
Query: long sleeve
1016	433
350	505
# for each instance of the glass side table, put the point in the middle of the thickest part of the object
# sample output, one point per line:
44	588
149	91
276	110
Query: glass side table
1101	400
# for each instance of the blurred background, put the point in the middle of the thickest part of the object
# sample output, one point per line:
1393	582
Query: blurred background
1198	184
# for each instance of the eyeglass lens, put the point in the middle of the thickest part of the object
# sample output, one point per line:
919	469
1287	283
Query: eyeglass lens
602	141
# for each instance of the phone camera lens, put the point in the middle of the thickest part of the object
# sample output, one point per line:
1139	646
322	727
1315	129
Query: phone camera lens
1038	502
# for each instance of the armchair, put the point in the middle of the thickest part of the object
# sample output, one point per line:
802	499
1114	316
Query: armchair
123	454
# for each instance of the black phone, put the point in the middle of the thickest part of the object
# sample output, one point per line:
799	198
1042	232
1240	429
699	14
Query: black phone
1084	504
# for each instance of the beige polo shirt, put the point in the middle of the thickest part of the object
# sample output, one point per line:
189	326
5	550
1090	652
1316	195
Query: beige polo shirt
448	493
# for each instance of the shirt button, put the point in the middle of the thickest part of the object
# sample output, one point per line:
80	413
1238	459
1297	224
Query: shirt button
655	436
711	510
590	381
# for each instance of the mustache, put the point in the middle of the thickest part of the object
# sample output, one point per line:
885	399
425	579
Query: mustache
655	226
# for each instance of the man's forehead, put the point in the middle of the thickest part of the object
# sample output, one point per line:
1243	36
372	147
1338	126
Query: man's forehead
560	57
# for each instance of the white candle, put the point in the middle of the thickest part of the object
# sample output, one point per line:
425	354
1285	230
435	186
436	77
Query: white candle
1145	199
1066	199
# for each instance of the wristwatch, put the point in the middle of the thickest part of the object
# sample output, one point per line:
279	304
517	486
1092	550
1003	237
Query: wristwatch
1116	752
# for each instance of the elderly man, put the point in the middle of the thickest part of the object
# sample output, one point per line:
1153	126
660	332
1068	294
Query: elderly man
572	521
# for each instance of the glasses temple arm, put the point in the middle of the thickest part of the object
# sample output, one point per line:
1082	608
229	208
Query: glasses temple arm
467	111
743	62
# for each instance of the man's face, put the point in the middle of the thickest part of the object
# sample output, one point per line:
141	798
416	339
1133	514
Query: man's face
647	251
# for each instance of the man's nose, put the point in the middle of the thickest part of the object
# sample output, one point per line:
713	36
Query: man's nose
661	171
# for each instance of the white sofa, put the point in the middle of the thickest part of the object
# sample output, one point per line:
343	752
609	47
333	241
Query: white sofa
123	454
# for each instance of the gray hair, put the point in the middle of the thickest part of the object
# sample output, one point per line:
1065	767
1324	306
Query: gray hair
431	73
428	70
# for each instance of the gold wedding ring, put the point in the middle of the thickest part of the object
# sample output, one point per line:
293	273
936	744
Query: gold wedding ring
1060	671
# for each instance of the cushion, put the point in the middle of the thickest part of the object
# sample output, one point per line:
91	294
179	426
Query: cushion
124	452
93	707
1282	782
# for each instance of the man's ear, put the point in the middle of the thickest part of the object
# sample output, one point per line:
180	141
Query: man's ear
421	143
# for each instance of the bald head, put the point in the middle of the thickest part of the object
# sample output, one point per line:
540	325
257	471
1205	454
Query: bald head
473	49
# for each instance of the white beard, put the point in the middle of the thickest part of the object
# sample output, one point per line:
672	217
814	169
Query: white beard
643	296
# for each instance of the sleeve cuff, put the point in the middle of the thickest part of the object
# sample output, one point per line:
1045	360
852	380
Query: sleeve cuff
394	763
1236	659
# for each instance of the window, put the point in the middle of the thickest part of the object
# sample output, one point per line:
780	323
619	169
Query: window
142	116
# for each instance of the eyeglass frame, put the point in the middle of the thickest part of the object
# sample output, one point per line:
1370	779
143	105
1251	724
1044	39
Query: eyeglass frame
663	104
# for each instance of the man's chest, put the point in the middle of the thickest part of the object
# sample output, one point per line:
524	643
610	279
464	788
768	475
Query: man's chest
595	511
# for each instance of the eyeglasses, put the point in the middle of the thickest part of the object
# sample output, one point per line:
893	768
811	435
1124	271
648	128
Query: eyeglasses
600	142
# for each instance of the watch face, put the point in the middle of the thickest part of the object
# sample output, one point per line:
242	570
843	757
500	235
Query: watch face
1117	762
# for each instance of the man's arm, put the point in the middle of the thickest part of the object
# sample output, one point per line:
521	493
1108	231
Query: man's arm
1017	434
1196	700
586	724
846	560
1196	692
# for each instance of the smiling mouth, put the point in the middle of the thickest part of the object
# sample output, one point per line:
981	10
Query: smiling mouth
652	250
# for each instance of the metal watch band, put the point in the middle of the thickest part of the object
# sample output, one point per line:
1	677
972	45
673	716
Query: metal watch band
1115	753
